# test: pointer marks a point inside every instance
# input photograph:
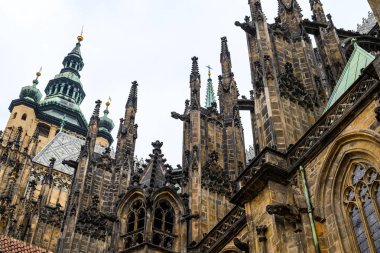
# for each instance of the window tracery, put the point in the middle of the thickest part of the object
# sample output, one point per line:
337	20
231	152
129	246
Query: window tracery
135	224
163	225
362	200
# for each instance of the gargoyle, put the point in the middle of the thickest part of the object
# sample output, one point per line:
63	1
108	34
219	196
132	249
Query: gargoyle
241	245
247	26
288	212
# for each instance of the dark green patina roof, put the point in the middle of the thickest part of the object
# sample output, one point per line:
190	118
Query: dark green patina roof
359	60
31	92
210	96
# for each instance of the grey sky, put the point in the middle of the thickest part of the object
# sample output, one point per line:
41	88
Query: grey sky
150	41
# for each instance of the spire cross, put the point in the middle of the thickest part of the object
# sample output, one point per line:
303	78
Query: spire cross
209	71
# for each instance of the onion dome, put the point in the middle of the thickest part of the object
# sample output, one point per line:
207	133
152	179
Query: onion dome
105	123
31	92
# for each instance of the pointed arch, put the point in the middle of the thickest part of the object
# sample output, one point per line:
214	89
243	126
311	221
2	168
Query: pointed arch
360	146
168	230
132	214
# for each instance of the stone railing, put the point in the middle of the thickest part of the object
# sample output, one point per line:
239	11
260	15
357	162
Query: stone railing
133	238
223	232
332	117
268	156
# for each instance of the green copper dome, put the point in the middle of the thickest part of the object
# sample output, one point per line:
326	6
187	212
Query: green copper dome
31	92
105	123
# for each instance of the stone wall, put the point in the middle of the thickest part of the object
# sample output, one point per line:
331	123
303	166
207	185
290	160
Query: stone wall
375	5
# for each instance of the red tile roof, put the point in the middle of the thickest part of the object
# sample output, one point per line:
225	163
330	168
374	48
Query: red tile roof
12	245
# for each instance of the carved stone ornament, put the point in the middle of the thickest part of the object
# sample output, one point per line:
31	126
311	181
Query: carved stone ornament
194	158
292	89
258	77
377	109
215	178
94	223
243	246
261	233
289	212
268	67
247	26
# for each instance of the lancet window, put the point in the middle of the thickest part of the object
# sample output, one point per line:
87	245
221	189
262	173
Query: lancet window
362	201
163	225
135	224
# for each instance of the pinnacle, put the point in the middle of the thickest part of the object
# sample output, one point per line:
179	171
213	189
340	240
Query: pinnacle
132	99
224	52
97	108
194	69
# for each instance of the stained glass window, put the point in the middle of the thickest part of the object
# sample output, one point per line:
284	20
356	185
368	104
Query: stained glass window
135	224
362	199
163	225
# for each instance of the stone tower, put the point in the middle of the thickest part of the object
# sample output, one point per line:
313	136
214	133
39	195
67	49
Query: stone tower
213	149
288	92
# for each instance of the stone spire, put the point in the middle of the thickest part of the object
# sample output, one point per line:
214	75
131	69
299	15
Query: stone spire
225	59
194	69
132	99
318	12
154	175
127	134
210	96
195	84
288	5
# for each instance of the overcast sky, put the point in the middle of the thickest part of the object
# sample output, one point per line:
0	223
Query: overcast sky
150	41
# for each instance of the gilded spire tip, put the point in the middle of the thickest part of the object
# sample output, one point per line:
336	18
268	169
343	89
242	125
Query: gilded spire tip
108	103
209	71
80	37
38	74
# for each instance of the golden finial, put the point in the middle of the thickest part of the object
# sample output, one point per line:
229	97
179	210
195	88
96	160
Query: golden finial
209	71
80	37
108	103
38	74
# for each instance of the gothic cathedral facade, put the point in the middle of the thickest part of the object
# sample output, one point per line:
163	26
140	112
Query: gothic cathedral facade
311	182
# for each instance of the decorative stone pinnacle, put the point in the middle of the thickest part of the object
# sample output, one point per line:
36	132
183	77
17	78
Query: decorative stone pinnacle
194	69
157	145
97	108
261	231
132	99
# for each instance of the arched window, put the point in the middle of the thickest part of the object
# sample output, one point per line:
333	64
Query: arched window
14	115
135	224
362	199
163	225
24	116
